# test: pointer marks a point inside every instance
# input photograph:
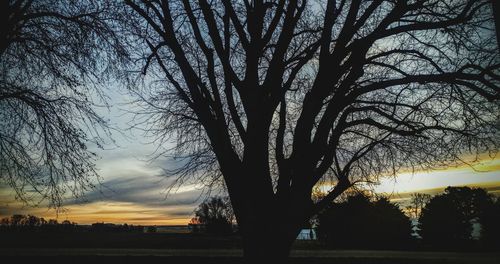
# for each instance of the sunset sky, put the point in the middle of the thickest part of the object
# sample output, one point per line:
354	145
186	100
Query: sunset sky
134	190
135	193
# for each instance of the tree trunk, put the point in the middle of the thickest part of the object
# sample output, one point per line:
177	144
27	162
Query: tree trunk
268	243
263	247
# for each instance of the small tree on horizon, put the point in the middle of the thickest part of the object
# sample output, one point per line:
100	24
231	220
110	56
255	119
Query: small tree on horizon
418	201
216	215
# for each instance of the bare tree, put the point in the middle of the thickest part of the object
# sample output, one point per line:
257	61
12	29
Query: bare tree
417	203
53	54
283	96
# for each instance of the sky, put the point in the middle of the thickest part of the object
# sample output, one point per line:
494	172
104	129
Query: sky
134	188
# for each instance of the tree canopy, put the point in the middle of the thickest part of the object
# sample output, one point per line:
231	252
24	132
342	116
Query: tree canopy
282	96
54	58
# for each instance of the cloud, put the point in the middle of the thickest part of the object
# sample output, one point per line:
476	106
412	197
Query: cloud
132	187
146	189
132	191
423	180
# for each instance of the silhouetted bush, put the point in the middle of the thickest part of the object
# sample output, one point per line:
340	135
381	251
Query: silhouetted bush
361	223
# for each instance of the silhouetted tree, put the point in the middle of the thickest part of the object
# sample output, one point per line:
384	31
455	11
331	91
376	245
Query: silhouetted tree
5	221
361	223
351	216
392	228
32	221
275	97
53	56
17	220
52	222
490	227
441	223
216	215
417	203
447	219
194	225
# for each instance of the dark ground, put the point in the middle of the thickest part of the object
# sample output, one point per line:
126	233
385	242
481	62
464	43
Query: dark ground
44	247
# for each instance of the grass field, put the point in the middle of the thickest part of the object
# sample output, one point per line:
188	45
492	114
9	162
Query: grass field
208	256
202	249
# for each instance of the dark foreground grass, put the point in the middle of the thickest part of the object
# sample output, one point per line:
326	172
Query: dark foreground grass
225	260
207	256
116	240
145	248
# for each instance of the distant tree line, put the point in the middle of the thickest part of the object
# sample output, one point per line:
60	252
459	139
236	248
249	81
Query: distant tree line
19	222
107	227
444	221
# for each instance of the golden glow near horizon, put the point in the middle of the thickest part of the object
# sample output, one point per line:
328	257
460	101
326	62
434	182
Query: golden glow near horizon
485	174
111	212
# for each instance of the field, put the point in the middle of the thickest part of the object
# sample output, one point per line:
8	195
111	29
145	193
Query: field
189	248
